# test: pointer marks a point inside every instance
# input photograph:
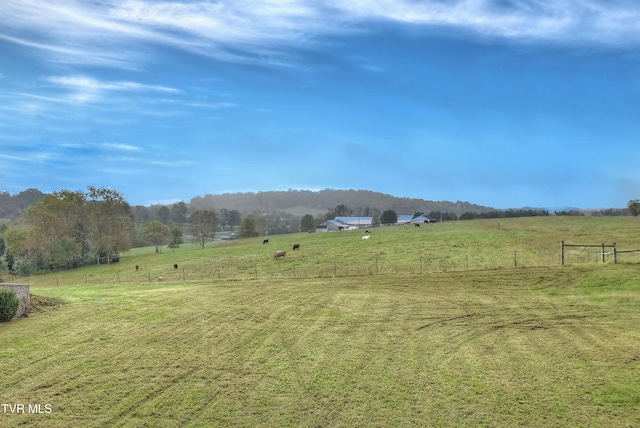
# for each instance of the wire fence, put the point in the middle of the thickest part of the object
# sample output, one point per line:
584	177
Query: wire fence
286	269
522	252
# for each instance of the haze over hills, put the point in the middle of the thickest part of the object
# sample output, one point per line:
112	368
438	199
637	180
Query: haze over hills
299	202
296	202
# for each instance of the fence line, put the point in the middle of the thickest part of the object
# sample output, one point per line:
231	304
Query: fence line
525	254
293	270
614	250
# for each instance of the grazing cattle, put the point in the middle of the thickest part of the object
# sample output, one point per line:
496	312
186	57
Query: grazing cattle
416	224
296	246
266	241
160	278
175	266
366	237
279	254
137	267
115	259
366	231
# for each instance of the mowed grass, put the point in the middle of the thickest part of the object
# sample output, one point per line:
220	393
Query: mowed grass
503	345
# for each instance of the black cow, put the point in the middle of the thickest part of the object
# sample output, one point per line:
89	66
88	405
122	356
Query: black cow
175	266
296	246
266	241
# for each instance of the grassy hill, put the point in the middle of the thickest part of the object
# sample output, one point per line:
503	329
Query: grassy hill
460	323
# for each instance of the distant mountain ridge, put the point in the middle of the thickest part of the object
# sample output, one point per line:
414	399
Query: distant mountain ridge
299	202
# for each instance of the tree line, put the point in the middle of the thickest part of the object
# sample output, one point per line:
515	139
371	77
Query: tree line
67	229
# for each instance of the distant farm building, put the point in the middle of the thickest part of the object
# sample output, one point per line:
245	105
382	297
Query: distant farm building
345	223
405	218
422	219
353	223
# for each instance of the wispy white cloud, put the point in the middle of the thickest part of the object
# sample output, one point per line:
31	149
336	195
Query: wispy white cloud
123	147
14	158
170	163
91	84
219	105
102	146
33	157
559	21
61	100
83	90
113	33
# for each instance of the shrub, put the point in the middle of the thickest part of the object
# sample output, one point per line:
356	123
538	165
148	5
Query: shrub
8	305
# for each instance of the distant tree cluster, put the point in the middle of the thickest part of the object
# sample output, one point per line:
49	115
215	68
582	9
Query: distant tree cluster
576	213
442	216
510	213
634	207
67	229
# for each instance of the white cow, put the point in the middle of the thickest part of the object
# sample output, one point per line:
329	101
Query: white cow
366	237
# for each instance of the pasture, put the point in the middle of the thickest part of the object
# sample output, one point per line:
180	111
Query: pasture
490	330
440	247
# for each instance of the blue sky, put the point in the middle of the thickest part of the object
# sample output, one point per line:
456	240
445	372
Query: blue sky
504	103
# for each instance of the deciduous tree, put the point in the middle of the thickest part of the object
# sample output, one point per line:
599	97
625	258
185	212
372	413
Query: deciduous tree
111	222
156	234
179	212
164	215
248	228
389	217
307	223
202	225
176	237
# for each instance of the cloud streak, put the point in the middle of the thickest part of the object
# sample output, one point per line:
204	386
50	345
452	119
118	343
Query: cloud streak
111	33
91	84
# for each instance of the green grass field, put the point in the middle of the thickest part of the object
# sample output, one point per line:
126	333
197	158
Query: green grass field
488	330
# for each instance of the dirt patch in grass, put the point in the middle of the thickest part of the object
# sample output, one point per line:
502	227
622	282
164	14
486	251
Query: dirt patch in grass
41	304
